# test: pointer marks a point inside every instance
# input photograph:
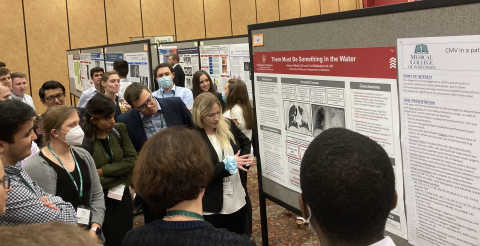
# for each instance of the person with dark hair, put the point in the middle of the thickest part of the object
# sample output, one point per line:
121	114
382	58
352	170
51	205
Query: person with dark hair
163	75
201	82
27	202
179	79
110	84
180	182
348	189
19	86
5	77
2	64
121	67
114	155
151	115
67	171
52	93
225	200
96	74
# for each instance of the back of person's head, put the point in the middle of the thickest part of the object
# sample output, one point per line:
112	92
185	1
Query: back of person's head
96	70
348	182
4	71
165	64
2	64
104	78
121	67
238	94
99	106
13	114
175	57
17	75
51	234
53	118
133	92
49	85
196	90
173	166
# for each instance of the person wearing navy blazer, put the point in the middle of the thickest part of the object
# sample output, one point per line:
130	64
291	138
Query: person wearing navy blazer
148	116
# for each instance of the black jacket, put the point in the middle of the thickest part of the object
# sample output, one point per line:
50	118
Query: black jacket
213	198
179	79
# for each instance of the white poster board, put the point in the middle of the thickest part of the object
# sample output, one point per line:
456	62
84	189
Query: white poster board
215	61
240	65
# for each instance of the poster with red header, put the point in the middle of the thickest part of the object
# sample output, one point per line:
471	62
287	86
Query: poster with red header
299	94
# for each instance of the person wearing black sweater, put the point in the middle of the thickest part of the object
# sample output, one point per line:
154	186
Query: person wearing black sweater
177	162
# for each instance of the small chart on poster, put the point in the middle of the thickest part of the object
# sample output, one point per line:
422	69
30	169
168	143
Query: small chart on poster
214	60
138	67
300	94
240	65
190	64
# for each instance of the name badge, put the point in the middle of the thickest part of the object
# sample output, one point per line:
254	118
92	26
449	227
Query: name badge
116	192
83	216
228	187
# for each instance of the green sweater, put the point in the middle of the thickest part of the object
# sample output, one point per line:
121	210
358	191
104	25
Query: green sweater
120	171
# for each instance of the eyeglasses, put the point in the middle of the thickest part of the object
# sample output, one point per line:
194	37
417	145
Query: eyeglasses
6	182
145	105
58	96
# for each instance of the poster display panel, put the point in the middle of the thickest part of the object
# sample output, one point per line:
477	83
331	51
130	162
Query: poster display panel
138	67
110	58
215	61
240	65
164	52
190	64
440	108
299	94
85	65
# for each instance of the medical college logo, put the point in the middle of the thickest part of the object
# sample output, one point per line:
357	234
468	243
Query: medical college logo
421	59
264	58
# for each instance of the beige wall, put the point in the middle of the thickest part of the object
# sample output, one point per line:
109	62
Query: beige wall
38	32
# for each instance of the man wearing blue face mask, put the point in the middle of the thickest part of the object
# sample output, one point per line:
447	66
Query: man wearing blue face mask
164	75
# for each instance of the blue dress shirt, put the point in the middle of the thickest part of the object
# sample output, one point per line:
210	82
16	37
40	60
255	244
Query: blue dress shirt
154	122
185	94
86	96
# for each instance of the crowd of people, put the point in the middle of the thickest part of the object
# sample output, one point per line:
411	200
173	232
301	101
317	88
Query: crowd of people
181	155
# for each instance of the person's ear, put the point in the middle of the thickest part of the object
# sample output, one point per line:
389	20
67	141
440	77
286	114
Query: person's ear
303	206
103	83
2	146
54	133
394	202
93	120
173	75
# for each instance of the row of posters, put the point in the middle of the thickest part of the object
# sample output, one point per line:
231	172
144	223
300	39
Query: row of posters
300	94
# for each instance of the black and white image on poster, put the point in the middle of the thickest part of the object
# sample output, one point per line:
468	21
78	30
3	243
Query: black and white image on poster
190	63
325	117
298	117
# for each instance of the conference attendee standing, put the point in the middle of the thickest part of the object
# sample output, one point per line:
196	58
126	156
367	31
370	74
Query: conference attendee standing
114	156
151	115
179	79
179	187
96	74
164	74
66	171
110	84
19	86
201	82
224	202
240	111
121	67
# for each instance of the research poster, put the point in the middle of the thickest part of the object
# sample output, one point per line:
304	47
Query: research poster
215	61
299	94
76	72
440	109
190	64
164	52
110	58
139	70
240	65
85	65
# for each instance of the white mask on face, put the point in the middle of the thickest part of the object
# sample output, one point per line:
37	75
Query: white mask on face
74	136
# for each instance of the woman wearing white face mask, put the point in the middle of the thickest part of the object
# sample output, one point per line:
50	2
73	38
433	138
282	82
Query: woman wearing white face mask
66	171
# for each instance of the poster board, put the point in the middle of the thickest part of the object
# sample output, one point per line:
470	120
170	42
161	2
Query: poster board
189	61
90	58
365	28
73	61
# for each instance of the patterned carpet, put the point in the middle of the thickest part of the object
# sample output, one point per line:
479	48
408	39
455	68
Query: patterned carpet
282	228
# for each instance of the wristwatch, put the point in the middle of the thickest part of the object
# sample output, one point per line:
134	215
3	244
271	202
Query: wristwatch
97	230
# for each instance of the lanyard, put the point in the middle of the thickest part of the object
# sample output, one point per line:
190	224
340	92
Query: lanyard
174	87
183	213
161	123
110	157
26	184
80	192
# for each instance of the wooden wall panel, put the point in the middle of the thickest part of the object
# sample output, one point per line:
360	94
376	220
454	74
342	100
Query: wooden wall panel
329	6
346	5
309	7
189	20
86	19
217	18
244	13
267	10
359	4
13	49
47	33
289	9
158	18
123	20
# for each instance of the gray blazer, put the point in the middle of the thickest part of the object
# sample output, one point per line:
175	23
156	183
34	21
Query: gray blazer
46	177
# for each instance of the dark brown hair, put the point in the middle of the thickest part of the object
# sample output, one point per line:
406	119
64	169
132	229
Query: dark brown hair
196	83
238	94
133	92
175	57
173	166
104	78
17	75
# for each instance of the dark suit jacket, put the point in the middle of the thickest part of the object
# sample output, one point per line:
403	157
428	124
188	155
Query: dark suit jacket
174	111
179	79
213	198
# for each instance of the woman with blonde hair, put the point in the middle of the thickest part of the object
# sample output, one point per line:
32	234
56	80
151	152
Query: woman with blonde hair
224	202
67	171
110	85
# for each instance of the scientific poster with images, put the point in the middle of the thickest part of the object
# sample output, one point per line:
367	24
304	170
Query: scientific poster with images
85	66
139	71
240	65
300	94
110	58
97	60
74	70
440	109
215	61
190	64
164	52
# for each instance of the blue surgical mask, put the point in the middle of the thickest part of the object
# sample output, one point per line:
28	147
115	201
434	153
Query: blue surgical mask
165	81
224	97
